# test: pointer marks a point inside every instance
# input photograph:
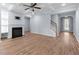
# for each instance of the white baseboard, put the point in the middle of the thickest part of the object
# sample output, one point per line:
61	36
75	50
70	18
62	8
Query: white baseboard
44	34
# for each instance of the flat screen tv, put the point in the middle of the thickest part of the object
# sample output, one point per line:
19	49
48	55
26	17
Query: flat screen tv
17	17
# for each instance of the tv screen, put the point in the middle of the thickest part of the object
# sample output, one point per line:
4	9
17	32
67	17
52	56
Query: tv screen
16	17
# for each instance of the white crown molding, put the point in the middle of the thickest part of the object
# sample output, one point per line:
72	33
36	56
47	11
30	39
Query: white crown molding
66	9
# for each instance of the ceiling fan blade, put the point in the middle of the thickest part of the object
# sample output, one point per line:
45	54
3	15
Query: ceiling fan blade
27	8
27	5
37	7
34	4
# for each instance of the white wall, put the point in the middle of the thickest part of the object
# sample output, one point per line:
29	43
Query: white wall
40	24
77	24
15	23
0	23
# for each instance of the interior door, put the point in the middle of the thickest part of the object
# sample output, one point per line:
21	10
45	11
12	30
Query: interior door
66	24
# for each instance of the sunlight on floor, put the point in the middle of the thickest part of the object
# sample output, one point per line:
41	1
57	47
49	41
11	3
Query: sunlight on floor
66	38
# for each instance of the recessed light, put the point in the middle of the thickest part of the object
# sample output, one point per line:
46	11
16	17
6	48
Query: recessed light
63	4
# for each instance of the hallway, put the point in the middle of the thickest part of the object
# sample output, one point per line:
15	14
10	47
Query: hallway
35	44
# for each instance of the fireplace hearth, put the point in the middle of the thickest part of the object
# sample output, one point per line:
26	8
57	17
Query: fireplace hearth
16	32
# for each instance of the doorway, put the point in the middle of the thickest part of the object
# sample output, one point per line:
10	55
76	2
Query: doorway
66	24
27	24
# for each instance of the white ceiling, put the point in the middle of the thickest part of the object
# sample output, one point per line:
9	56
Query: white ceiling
54	6
18	7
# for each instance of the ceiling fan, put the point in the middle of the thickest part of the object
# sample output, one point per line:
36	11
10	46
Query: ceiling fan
32	6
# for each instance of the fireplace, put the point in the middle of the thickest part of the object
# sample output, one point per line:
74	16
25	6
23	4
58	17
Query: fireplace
16	32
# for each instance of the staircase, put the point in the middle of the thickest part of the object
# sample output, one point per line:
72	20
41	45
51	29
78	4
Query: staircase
54	28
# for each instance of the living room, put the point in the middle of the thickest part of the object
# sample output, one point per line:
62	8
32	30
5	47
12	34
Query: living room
32	28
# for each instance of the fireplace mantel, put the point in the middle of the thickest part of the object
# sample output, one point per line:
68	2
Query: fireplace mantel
15	26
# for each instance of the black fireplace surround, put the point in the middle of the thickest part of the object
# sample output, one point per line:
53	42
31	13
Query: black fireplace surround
16	32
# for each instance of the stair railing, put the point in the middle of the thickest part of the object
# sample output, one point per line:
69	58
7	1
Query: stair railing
54	26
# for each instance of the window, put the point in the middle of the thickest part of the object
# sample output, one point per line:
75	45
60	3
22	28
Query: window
4	21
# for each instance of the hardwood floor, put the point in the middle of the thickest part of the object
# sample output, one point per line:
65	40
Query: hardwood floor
34	44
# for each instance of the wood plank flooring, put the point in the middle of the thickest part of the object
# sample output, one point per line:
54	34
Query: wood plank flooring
34	44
